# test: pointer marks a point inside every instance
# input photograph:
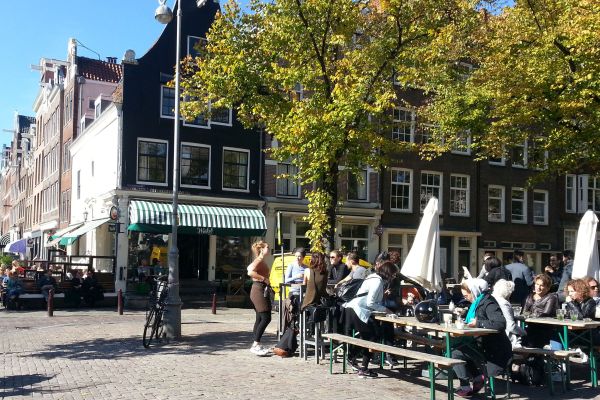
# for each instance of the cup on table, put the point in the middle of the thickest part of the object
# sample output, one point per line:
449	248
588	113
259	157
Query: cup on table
517	310
560	314
460	324
447	319
573	317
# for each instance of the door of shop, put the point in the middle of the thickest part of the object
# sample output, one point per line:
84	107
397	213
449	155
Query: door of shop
193	256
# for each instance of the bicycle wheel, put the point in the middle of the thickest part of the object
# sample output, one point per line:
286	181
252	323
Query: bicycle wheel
157	327
149	327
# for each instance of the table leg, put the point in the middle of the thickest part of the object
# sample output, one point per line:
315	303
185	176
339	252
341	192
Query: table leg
431	381
331	356
565	341
593	372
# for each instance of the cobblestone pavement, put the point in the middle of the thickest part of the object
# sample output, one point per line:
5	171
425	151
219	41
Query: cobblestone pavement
97	354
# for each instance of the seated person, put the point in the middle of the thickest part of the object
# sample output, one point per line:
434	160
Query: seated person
489	354
294	273
91	289
502	291
18	268
315	280
73	296
46	283
540	303
408	305
338	270
158	268
13	288
578	299
356	270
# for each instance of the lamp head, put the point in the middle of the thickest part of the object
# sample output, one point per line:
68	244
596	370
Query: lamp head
163	13
200	3
85	215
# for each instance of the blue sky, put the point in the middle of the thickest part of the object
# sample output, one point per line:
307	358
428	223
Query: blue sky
33	29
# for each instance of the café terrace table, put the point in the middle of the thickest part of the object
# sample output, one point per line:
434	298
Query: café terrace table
573	330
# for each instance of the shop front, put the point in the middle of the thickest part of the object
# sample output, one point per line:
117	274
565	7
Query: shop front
210	238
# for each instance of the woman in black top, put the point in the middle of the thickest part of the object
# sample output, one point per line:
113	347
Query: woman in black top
578	299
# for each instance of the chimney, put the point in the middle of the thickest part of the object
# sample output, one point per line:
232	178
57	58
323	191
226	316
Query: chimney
111	60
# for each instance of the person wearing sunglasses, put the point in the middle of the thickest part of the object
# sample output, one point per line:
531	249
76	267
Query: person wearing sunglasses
337	270
594	290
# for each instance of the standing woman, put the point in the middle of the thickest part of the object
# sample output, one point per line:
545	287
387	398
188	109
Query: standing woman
259	272
315	280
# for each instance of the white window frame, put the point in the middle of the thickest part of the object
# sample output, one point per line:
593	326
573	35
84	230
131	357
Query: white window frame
440	188
137	158
523	220
211	122
239	150
397	122
571	193
456	148
401	184
168	116
523	160
289	181
544	204
364	184
593	187
502	203
181	167
455	189
569	235
189	44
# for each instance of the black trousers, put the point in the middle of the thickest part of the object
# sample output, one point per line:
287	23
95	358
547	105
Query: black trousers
260	324
367	331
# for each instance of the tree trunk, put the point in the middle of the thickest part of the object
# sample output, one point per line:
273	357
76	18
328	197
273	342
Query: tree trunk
330	184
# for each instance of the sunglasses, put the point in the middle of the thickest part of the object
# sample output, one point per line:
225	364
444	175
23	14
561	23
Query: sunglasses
594	287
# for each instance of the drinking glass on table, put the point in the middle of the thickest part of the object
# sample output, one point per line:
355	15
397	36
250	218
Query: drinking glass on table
573	316
517	310
560	314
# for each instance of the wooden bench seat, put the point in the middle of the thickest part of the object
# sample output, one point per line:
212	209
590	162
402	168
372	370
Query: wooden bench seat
552	357
431	359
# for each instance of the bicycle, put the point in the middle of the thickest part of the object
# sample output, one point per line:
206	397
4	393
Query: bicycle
153	329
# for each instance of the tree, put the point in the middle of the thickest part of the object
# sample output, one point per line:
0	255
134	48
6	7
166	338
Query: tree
536	78
317	76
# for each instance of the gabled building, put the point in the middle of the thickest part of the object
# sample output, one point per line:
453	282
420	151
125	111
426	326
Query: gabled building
124	158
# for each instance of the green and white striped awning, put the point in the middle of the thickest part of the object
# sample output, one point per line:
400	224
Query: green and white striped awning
155	217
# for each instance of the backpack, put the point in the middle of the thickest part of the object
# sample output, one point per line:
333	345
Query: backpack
347	291
531	372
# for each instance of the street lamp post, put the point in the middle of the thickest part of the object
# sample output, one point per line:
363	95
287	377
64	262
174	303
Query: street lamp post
164	15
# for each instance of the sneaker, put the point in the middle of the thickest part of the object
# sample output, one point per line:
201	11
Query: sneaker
466	393
478	383
391	362
259	350
366	373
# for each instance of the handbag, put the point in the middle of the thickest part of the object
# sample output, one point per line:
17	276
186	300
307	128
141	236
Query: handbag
348	290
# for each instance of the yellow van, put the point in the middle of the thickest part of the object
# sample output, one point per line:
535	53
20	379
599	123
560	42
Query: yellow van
280	264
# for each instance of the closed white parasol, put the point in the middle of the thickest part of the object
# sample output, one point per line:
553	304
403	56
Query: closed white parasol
422	263
586	249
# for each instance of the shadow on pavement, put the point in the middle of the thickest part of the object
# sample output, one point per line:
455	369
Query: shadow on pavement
205	343
20	385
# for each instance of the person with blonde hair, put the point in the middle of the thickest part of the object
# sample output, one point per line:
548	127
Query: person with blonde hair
258	270
503	289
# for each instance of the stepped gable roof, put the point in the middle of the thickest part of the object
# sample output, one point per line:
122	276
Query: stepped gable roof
98	70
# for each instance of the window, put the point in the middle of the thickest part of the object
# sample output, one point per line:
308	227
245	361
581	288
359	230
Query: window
357	188
301	240
518	205
401	190
540	207
459	195
235	169
496	203
195	165
152	161
220	116
570	194
594	194
426	131
167	102
570	239
356	238
68	107
431	186
298	92
519	155
287	186
195	44
462	145
536	155
403	127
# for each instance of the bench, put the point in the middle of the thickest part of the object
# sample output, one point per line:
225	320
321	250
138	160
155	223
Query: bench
551	358
435	343
432	360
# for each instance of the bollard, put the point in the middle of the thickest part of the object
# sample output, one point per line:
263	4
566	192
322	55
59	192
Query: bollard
51	302
120	302
214	303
